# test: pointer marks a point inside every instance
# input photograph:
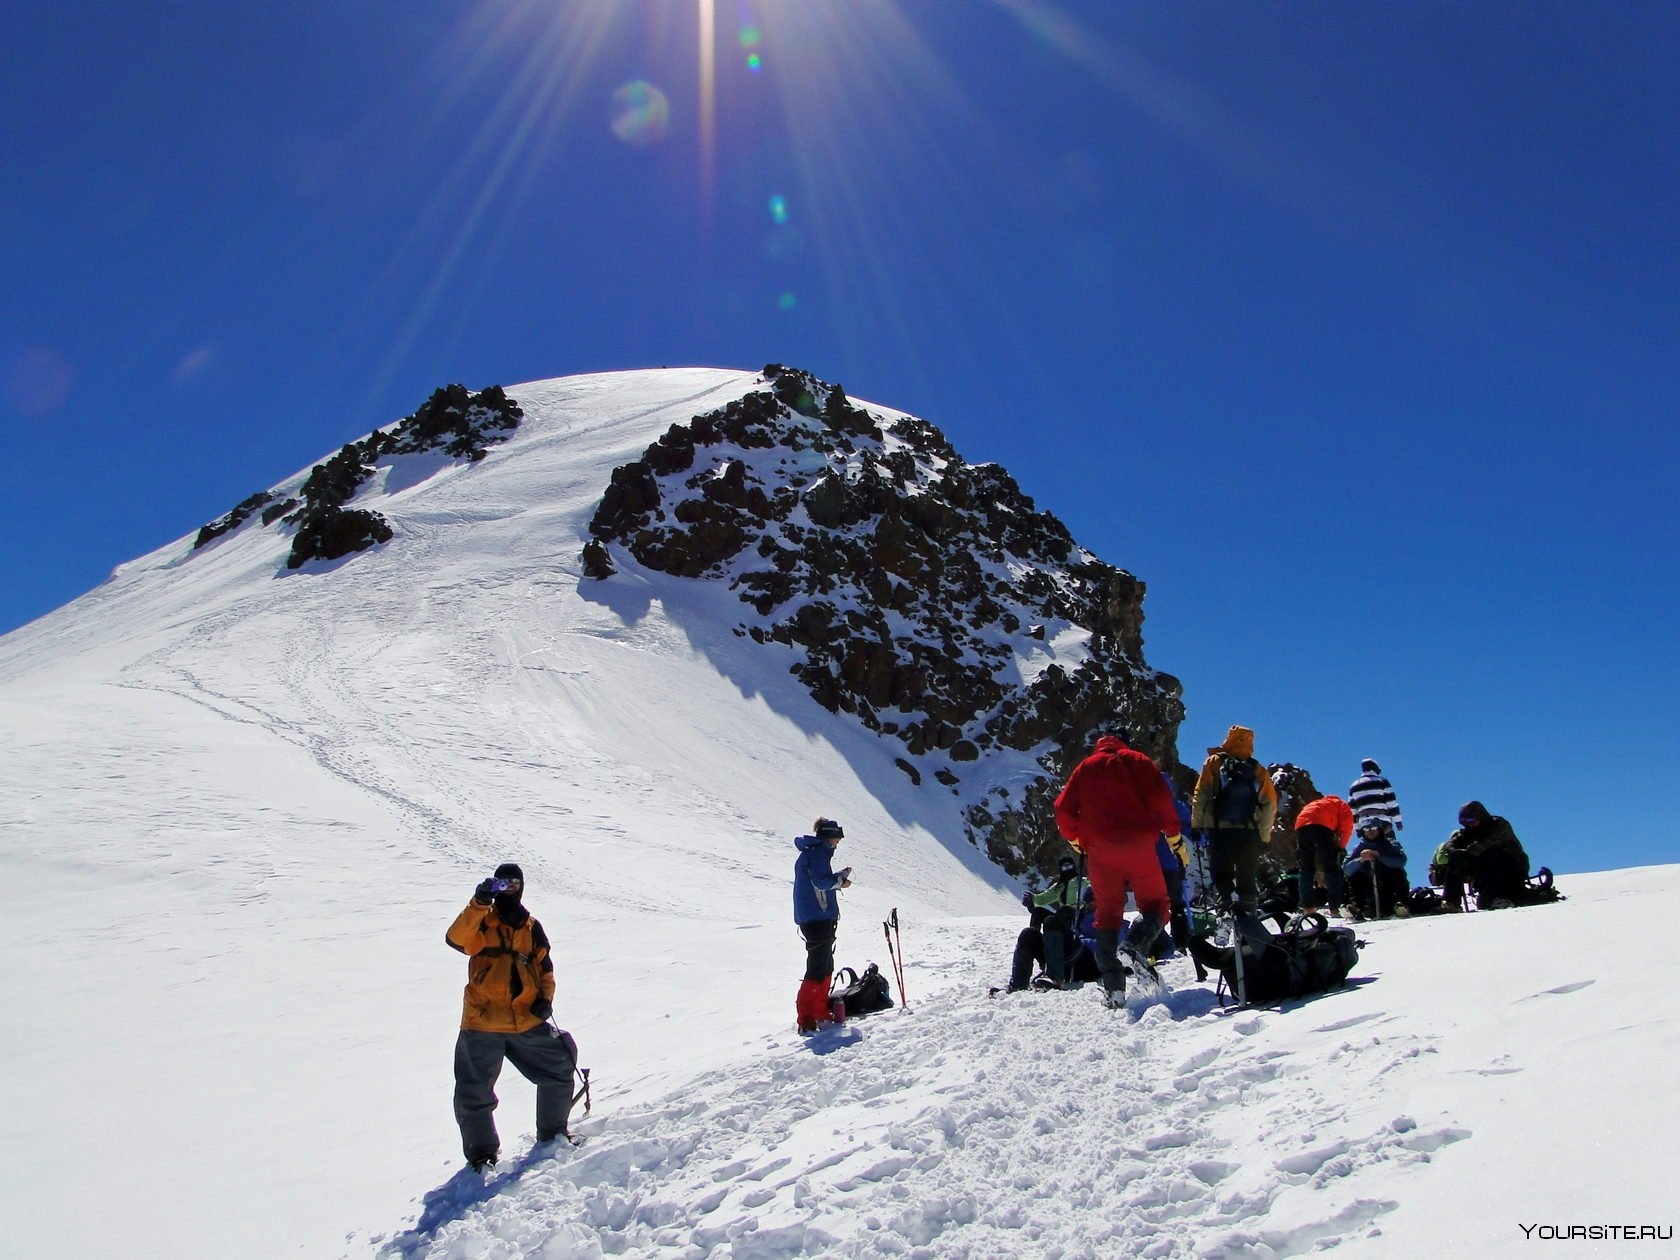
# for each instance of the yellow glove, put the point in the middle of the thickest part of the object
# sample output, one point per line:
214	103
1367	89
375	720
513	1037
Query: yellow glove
1180	850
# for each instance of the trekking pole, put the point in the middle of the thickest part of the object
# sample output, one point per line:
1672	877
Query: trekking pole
1237	945
1376	889
895	951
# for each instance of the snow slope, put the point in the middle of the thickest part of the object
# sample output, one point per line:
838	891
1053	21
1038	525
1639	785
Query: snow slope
1478	1079
239	805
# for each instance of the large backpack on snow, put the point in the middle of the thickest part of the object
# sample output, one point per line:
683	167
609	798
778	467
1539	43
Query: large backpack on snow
1238	795
863	995
1308	956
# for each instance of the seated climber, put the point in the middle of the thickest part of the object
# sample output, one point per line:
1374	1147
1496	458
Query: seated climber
1050	940
1485	854
1375	873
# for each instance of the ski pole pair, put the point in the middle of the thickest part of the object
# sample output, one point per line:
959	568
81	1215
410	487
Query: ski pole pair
895	951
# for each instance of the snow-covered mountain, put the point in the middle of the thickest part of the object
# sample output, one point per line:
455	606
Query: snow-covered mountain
243	790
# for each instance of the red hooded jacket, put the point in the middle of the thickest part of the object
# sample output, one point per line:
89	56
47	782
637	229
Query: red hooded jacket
1331	812
1116	796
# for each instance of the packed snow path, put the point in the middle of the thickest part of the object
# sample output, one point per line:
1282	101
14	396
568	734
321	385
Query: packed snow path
1044	1124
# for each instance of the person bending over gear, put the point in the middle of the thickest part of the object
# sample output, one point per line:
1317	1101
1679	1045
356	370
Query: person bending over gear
1376	873
1235	804
1322	831
505	1009
1113	808
1050	939
816	910
1484	853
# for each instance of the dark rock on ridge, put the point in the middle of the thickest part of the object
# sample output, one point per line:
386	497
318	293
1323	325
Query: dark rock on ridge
453	421
926	596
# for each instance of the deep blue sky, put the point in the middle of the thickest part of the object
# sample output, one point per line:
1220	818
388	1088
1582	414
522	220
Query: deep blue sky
1353	329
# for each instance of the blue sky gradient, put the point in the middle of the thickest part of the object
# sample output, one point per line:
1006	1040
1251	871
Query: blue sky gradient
1354	330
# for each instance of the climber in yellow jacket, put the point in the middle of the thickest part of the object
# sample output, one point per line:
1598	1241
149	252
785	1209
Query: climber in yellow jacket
1235	803
504	1014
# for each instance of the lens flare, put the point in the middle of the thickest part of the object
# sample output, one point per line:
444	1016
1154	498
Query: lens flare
755	63
778	209
640	114
787	301
751	37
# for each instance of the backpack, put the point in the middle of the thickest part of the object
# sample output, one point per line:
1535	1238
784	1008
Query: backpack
1238	796
863	995
1423	900
1540	890
1308	956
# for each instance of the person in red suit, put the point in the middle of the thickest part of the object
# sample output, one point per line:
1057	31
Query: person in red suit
1114	807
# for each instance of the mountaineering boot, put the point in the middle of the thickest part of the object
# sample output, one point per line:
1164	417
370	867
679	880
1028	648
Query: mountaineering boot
1140	937
812	1005
482	1157
1108	965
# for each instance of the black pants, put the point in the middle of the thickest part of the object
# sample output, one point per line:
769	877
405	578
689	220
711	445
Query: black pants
1392	886
819	948
1494	875
544	1055
1318	846
1234	853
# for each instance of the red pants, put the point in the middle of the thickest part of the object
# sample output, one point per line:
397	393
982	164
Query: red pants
1115	867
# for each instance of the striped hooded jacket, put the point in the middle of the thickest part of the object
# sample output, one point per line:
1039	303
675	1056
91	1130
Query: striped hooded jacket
1371	796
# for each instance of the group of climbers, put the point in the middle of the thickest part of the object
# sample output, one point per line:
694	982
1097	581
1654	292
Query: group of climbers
1118	810
1349	860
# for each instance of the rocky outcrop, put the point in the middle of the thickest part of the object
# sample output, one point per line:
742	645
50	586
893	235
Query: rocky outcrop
926	596
1295	792
453	421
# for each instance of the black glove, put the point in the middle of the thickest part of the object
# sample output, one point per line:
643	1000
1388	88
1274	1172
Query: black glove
1026	900
542	1008
483	894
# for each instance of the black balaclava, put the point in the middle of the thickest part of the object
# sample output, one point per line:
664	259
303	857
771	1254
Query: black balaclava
1067	869
508	908
1473	810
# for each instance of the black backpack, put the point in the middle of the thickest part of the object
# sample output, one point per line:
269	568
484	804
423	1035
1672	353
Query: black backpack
1308	956
1239	792
1540	890
1424	900
863	995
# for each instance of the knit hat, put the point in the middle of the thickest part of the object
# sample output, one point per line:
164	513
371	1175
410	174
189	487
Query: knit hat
1067	866
1370	767
1472	813
509	870
828	829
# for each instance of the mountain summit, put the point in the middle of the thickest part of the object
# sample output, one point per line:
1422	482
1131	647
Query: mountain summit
925	595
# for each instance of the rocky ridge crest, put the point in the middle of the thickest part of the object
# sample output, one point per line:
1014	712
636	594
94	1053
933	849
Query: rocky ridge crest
925	595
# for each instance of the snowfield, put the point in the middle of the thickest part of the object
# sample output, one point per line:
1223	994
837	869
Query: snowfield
1477	1078
239	805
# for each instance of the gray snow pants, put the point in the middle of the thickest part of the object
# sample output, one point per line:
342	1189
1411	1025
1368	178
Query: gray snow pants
544	1056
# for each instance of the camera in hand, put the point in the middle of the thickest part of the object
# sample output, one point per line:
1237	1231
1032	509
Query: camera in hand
500	885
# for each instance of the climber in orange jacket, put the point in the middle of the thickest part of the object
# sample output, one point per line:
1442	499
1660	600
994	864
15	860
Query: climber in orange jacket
1322	830
504	1013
